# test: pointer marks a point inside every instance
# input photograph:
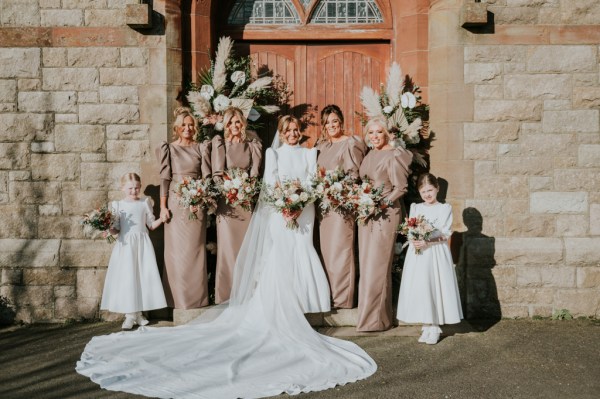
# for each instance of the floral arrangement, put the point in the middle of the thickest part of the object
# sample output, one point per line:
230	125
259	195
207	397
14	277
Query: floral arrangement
238	188
332	187
399	103
101	219
416	229
289	197
196	193
232	81
366	201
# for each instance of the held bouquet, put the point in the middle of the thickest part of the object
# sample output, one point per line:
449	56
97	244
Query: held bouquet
101	219
238	188
366	201
332	188
416	229
289	197
198	193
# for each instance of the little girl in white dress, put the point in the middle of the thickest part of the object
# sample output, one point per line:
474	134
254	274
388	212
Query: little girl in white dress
132	281
429	290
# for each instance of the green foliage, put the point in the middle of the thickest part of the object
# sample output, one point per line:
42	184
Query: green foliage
562	314
7	312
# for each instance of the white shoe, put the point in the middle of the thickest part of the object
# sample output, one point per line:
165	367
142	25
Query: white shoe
424	335
434	335
141	320
128	323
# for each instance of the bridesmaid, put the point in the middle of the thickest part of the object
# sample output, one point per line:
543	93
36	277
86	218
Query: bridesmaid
185	278
239	148
390	167
336	149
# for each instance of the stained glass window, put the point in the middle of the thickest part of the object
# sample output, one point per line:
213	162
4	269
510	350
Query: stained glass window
347	12
261	12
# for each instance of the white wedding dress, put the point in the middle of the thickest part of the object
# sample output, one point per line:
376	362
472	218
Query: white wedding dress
258	345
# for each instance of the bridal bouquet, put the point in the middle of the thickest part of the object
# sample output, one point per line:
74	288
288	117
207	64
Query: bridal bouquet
416	229
332	187
238	188
289	197
366	201
196	193
232	81
101	219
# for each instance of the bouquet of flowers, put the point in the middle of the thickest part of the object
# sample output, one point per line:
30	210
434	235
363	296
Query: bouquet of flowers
231	81
416	229
332	188
289	197
366	201
238	188
101	219
196	193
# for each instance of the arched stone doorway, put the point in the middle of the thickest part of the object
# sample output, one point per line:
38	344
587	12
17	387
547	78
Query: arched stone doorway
325	56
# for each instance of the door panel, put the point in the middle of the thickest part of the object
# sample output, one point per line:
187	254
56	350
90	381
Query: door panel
321	74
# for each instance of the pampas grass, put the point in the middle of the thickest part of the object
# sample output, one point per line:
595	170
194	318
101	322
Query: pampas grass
370	100
395	84
220	71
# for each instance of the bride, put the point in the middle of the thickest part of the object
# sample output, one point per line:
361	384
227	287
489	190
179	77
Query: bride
260	343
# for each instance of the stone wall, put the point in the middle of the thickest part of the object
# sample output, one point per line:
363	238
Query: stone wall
84	98
527	131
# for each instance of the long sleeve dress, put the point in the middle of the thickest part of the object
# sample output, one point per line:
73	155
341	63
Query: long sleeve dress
336	230
232	222
376	238
185	278
132	281
429	289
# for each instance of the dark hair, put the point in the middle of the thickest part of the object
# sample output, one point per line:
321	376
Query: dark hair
427	178
325	112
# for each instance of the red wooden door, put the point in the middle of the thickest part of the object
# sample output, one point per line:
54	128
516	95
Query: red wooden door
319	74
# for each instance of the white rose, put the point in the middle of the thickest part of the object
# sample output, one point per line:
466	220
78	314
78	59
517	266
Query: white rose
227	185
207	91
294	197
219	126
221	103
365	200
237	183
320	189
304	197
337	186
388	109
279	203
238	77
245	175
248	190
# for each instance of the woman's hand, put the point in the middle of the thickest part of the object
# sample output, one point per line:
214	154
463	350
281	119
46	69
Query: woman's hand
194	208
419	244
165	214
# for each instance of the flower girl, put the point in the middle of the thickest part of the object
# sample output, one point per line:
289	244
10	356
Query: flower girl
132	281
429	290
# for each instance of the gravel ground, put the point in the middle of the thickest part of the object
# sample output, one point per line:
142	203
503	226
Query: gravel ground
509	359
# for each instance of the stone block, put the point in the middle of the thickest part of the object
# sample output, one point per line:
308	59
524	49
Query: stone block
514	312
575	121
134	57
549	144
108	113
8	91
507	110
128	150
495	53
109	18
79	138
80	201
583	251
93	157
557	105
122	76
61	17
529	226
509	150
525	296
584	79
525	166
90	283
49	210
4	176
32	314
563	277
119	94
20	13
118	3
595	219
96	176
515	15
528	251
505	276
580	302
562	59
14	155
11	276
64	291
39	101
580	12
42	147
82	79
545	86
586	97
588	277
501	187
486	167
61	227
93	57
50	3
17	221
540	183
483	73
127	132
516	206
480	151
80	308
29	253
66	118
589	155
87	97
84	4
27	193
19	63
577	180
105	315
492	132
486	91
62	167
541	311
54	57
514	67
139	15
29	84
558	202
85	253
48	276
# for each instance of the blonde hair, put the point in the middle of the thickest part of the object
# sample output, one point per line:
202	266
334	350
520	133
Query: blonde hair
127	177
325	112
180	113
284	123
379	122
228	116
